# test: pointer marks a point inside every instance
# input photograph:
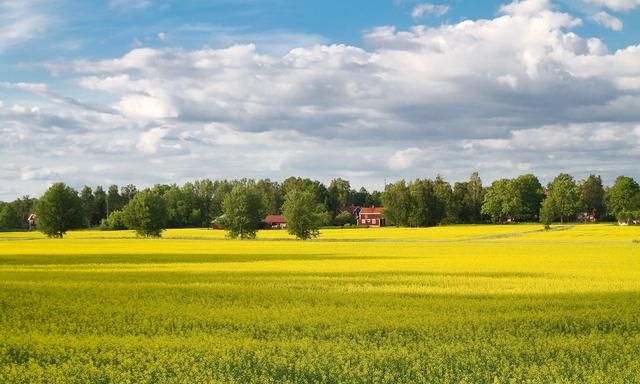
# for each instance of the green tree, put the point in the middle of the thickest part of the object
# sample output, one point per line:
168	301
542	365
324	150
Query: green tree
88	204
473	198
243	210
205	191
100	205
345	218
624	196
564	197
444	194
502	201
339	194
530	193
426	209
59	210
127	193
115	222
114	200
272	195
396	200
592	196
304	214
146	213
546	213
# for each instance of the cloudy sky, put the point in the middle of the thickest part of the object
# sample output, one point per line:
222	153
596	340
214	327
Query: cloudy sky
148	91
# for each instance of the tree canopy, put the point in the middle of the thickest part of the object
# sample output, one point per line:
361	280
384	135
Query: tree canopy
146	213
304	214
59	210
243	210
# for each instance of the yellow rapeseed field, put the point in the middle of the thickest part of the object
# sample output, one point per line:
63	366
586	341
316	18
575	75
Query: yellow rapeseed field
476	304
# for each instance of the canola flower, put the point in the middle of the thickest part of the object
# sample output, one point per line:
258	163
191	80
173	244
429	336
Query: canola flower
473	304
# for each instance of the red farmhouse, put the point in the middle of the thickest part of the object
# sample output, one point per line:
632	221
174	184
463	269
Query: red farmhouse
275	222
371	217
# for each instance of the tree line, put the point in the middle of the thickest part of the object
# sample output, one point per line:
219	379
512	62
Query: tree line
240	204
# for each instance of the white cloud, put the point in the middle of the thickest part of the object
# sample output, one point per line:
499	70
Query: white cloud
523	89
617	5
149	141
21	21
405	159
608	21
429	9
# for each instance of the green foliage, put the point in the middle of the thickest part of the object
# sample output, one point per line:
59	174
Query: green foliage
146	213
59	210
502	201
426	209
243	210
547	214
88	204
345	218
624	196
304	214
115	222
530	195
13	215
564	197
396	200
592	196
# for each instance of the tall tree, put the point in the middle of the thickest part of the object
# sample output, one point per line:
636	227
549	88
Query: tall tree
100	207
127	193
243	211
88	204
114	201
564	196
397	203
624	196
272	195
146	213
304	214
339	194
531	194
59	210
426	209
444	193
502	201
592	196
205	190
474	198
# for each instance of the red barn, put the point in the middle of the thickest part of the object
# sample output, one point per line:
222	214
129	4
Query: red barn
275	222
371	217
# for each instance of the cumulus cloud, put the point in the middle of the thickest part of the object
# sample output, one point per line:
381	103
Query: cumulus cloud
608	21
405	159
522	89
423	9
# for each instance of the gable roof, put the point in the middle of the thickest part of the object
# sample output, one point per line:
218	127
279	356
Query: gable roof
275	219
370	210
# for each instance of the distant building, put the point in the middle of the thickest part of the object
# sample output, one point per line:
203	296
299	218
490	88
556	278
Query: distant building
274	222
31	220
371	217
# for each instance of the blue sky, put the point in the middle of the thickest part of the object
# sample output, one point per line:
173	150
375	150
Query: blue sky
442	87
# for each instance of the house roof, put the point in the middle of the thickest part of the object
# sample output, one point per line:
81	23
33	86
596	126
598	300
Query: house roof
275	219
371	210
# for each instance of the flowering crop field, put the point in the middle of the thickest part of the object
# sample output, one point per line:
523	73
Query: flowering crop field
474	304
